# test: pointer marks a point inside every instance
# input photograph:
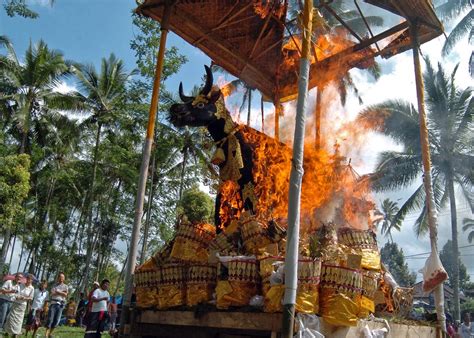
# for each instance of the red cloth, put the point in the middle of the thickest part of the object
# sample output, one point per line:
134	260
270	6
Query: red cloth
89	303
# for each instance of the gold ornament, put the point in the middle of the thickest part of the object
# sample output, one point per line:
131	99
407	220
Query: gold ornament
218	157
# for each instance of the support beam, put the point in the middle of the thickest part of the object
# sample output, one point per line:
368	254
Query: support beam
426	157
132	255
296	177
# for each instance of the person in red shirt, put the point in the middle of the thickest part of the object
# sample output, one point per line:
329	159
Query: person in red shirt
95	286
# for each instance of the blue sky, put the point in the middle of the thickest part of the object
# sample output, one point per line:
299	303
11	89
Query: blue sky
88	30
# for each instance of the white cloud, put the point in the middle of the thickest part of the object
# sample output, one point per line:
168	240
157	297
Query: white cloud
43	3
64	88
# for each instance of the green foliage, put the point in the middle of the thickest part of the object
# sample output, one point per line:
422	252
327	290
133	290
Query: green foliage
468	306
19	7
392	257
387	224
450	130
451	10
197	205
14	187
146	44
446	256
468	226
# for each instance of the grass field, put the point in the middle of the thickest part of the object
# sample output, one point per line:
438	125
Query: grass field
66	332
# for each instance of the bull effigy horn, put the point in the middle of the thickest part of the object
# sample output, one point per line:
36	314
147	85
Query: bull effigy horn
183	97
209	81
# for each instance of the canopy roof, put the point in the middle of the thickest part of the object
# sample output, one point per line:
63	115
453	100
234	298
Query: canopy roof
252	41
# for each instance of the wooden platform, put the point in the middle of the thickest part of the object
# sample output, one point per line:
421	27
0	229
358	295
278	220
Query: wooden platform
226	324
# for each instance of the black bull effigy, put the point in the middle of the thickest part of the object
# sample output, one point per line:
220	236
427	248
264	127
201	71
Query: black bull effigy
253	167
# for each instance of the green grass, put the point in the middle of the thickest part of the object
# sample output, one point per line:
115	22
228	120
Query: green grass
65	332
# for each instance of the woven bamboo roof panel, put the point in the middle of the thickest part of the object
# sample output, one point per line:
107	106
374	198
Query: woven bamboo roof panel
231	33
251	41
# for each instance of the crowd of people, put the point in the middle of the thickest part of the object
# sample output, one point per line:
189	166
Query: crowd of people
96	313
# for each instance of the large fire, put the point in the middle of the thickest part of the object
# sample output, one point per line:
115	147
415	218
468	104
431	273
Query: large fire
331	191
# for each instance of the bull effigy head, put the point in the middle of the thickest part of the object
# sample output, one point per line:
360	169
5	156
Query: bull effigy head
199	111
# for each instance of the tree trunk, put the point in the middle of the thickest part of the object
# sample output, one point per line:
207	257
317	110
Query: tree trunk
27	259
21	254
6	243
454	234
183	171
89	252
12	252
148	211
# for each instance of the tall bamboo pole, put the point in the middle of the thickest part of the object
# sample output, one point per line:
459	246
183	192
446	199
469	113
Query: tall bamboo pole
278	108
132	258
426	157
293	234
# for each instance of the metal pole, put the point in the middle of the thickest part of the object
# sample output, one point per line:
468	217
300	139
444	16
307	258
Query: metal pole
426	157
291	259
125	317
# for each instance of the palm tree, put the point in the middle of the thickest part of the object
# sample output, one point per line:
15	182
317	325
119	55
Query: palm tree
326	23
451	10
28	89
103	96
387	224
450	125
233	86
468	225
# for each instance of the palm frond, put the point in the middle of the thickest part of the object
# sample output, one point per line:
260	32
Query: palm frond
396	170
459	31
451	9
395	118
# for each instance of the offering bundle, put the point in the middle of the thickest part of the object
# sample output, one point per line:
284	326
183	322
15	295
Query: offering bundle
192	241
307	295
172	286
237	281
340	295
363	243
147	278
201	283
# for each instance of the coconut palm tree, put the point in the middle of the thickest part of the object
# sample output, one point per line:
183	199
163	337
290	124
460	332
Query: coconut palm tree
387	224
450	10
468	225
450	125
103	95
28	89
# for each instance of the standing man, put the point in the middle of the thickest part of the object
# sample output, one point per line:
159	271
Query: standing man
58	300
98	316
17	311
466	328
7	293
33	321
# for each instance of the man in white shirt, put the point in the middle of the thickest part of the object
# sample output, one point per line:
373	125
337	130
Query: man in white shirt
98	316
7	293
15	317
59	294
33	321
466	330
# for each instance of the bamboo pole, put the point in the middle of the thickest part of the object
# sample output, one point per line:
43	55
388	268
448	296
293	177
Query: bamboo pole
426	157
317	117
278	107
132	258
291	259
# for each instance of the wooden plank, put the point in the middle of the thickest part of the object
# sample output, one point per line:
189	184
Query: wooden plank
257	321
